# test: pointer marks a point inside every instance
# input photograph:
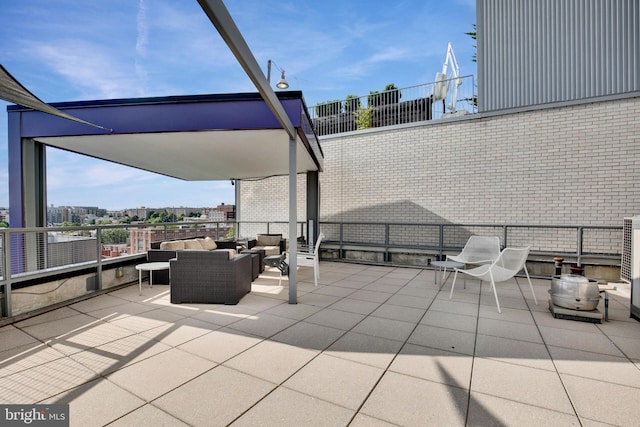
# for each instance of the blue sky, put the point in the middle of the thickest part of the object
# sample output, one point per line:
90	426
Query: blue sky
68	50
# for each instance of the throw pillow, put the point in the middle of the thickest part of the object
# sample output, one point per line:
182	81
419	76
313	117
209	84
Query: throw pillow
208	244
192	244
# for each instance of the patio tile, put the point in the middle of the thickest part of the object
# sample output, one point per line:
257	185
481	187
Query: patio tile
383	287
365	349
421	291
597	343
351	283
262	324
120	311
397	312
318	300
25	357
371	296
444	339
50	316
88	336
355	306
59	327
507	314
522	384
409	401
293	311
629	346
271	361
336	380
12	337
602	401
148	379
456	307
514	351
434	365
307	335
511	330
229	394
334	291
409	301
180	331
107	402
362	420
337	319
596	366
385	328
44	381
218	317
117	354
449	320
220	345
486	410
287	407
148	415
99	302
147	321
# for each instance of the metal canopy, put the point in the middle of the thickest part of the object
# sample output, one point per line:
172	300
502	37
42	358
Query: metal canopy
194	138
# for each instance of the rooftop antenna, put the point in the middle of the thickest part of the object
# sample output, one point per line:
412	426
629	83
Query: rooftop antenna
444	81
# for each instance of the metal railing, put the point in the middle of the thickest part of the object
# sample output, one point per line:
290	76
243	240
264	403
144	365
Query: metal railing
393	107
575	242
31	256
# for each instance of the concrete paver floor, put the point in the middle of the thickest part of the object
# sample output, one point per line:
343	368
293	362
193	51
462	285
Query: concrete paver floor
370	346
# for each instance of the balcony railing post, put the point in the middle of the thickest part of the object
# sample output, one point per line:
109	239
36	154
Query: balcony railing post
387	255
579	245
441	241
504	236
99	265
6	243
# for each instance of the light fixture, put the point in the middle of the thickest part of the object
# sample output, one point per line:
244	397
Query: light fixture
282	83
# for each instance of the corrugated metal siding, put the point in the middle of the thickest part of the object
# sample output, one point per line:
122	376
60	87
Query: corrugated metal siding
534	52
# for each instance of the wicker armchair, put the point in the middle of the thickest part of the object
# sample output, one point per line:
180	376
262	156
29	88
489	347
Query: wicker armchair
209	277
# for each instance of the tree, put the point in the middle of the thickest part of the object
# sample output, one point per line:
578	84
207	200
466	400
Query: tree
4	224
116	235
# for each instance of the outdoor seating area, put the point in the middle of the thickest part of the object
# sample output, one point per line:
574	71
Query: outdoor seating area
370	345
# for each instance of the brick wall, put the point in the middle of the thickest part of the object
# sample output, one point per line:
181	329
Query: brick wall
571	165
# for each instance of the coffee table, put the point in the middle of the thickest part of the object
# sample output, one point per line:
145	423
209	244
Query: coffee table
150	267
442	268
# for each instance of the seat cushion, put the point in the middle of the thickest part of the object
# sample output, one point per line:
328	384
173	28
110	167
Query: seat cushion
174	245
266	240
269	250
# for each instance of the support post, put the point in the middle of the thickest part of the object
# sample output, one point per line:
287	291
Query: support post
293	223
313	206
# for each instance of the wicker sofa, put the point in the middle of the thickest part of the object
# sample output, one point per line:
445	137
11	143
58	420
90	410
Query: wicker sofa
209	277
166	251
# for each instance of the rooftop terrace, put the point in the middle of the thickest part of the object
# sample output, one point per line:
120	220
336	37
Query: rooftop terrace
370	345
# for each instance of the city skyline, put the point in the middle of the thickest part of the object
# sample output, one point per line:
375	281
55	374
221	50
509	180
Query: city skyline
63	51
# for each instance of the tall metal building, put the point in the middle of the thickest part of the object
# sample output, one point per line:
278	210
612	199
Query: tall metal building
533	52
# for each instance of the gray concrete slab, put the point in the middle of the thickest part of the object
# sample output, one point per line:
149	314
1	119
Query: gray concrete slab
371	345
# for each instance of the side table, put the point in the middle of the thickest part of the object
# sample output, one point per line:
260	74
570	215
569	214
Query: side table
150	267
442	268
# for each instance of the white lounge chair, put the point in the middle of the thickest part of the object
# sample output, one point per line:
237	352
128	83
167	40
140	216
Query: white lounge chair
508	264
478	250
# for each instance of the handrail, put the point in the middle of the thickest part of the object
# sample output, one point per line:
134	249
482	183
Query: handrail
391	107
388	237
